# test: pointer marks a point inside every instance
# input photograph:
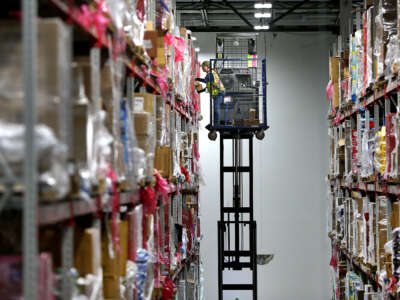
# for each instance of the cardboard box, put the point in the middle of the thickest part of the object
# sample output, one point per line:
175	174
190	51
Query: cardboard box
123	243
144	143
87	252
110	266
336	95
161	58
149	26
111	287
53	68
143	122
145	102
79	124
163	161
334	63
183	32
150	43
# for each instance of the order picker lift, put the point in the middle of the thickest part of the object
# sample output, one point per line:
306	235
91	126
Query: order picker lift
241	116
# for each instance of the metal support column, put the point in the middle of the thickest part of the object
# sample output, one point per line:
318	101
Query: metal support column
30	226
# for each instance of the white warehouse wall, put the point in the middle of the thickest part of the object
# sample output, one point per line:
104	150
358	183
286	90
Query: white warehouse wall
290	167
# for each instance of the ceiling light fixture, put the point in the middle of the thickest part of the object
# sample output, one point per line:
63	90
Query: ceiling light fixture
263	5
261	27
262	15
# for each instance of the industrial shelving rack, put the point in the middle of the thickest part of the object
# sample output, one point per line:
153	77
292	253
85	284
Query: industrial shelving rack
382	97
379	99
24	191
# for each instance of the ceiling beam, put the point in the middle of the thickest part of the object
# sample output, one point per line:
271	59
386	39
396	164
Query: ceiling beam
301	11
238	13
204	17
250	4
298	5
279	28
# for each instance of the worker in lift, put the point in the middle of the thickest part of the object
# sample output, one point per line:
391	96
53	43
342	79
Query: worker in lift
214	86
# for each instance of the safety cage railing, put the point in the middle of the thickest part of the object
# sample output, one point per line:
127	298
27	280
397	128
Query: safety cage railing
242	104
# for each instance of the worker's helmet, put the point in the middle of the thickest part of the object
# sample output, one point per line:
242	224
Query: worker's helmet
205	64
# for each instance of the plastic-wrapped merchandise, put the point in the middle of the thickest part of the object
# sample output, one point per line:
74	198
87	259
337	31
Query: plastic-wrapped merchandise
390	146
380	151
364	229
53	69
161	123
117	9
353	227
135	21
354	152
369	78
11	85
382	230
388	8
163	15
367	154
372	233
145	134
11	277
353	69
91	285
130	280
353	284
360	64
379	45
51	157
99	144
175	143
339	218
396	252
395	154
392	59
117	116
135	232
142	258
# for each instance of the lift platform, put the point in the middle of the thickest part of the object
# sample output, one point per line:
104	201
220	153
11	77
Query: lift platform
238	114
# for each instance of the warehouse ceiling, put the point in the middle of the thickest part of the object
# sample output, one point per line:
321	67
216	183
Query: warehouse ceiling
238	16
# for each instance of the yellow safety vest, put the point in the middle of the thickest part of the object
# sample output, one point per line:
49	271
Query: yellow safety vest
217	87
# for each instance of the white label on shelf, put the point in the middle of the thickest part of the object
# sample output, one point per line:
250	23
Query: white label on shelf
147	44
139	104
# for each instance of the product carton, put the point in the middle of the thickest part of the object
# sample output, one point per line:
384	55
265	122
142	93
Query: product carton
334	63
79	123
123	243
150	43
87	252
53	70
110	264
145	102
163	161
143	122
161	58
